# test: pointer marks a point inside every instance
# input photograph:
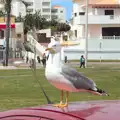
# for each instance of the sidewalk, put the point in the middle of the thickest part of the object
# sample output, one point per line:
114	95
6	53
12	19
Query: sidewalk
21	66
7	67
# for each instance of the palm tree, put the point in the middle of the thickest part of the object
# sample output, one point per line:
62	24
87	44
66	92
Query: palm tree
63	27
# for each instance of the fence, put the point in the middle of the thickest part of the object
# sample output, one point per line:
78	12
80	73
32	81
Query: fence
105	49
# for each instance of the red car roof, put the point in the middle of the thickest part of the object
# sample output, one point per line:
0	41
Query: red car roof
93	110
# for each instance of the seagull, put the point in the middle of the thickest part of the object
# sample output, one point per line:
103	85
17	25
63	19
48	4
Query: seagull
65	78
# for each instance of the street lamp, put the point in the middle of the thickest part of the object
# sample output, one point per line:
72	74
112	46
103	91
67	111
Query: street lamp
86	34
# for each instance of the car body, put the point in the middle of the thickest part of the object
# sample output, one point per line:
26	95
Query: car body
89	110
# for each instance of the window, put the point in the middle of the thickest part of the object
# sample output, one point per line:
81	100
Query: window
54	10
54	16
2	34
46	3
30	3
46	10
109	12
81	13
61	11
29	10
75	14
18	35
75	33
46	16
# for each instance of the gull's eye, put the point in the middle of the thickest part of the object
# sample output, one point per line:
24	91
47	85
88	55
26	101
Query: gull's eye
54	45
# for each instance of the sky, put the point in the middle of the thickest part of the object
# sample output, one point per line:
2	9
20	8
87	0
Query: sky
65	3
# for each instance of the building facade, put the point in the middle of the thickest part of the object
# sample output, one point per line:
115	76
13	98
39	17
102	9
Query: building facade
58	13
103	19
44	6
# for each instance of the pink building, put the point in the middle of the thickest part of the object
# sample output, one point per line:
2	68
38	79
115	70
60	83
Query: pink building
103	19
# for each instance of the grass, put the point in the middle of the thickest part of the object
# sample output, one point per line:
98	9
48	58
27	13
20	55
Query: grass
19	89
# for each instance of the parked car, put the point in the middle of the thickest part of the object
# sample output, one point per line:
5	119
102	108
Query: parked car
92	110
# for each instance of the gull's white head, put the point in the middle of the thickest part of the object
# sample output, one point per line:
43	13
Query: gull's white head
54	47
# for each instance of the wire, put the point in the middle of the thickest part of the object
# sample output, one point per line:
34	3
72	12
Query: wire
44	93
33	69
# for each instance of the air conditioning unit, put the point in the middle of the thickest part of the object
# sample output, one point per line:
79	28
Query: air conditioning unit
111	16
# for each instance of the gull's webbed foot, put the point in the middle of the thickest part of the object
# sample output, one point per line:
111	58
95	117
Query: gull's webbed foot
63	105
59	104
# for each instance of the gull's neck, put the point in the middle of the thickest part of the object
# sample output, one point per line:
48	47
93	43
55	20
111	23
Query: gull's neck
54	60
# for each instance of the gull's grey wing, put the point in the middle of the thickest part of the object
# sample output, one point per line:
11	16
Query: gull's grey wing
77	79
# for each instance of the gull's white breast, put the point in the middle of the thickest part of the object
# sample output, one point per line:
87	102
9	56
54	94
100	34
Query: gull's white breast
55	77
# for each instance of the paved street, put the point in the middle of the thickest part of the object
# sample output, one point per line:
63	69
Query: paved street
26	66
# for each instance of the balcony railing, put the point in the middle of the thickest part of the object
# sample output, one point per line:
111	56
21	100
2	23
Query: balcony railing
98	38
97	19
111	37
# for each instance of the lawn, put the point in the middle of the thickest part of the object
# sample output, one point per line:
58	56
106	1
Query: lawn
18	88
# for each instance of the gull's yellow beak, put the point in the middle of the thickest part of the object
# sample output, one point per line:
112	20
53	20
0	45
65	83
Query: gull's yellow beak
50	49
68	43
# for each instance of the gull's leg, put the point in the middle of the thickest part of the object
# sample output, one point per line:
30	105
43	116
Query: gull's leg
61	99
67	95
66	104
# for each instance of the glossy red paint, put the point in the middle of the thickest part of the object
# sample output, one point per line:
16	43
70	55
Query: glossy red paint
92	110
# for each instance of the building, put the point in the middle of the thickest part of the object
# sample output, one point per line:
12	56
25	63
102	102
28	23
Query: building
103	30
103	19
19	8
3	27
58	13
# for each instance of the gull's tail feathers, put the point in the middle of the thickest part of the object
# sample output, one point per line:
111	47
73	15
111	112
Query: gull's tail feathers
98	91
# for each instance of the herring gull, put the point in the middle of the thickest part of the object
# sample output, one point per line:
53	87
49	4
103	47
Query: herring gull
65	78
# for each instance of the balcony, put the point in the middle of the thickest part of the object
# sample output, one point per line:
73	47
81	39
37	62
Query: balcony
46	7
97	19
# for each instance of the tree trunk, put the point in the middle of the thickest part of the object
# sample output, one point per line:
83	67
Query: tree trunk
7	33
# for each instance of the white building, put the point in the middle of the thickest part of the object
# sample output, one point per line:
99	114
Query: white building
103	30
18	8
58	13
103	19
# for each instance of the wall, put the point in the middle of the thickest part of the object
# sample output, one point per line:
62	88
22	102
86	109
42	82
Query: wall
47	31
100	11
18	8
61	16
97	49
94	31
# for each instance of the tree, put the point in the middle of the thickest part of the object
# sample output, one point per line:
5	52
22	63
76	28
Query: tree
63	27
19	18
35	21
1	13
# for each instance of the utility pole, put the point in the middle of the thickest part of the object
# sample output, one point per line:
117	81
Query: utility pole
86	34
